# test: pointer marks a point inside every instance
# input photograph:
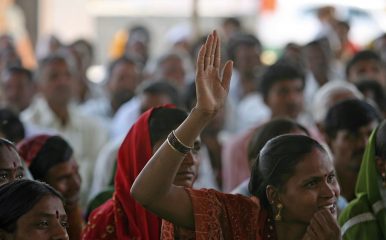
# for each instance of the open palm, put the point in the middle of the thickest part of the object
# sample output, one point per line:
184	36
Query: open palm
212	85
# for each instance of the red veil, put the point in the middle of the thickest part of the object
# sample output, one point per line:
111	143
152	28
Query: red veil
122	217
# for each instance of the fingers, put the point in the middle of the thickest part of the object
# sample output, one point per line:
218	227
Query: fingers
323	226
226	75
213	50
201	59
217	53
208	51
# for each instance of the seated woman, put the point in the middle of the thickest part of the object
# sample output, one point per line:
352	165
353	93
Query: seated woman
365	216
50	159
11	167
122	217
31	210
294	185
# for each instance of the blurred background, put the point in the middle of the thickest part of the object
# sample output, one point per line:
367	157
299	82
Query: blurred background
274	22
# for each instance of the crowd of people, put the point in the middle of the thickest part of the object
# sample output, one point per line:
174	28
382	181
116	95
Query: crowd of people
226	148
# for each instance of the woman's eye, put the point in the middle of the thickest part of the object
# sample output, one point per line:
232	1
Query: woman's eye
20	176
331	178
43	224
311	184
65	224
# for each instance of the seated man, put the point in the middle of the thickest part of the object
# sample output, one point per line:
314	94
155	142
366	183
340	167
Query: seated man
347	127
365	216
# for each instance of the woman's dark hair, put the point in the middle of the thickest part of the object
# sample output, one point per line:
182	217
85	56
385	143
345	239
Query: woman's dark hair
162	121
11	126
270	130
277	162
19	197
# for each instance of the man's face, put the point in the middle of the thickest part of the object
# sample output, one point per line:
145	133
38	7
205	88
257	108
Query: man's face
65	178
367	69
123	81
55	82
18	90
285	98
348	147
247	58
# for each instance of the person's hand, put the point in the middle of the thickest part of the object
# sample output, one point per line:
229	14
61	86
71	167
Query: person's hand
323	226
212	85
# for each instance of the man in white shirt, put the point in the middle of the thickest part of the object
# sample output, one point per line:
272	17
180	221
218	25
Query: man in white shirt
52	110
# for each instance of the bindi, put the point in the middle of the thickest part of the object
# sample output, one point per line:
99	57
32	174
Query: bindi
57	214
14	164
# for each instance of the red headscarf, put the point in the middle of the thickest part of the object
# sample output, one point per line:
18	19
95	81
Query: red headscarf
122	217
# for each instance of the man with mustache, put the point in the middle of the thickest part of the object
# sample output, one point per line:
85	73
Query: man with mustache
347	127
53	110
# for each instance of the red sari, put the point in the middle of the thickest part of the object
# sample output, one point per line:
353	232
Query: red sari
225	216
122	217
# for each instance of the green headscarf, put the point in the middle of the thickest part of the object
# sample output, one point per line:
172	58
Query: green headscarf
366	214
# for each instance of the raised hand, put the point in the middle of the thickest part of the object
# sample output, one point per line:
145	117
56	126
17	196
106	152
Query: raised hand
212	85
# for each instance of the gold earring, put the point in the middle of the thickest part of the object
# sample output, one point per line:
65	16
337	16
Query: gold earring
279	207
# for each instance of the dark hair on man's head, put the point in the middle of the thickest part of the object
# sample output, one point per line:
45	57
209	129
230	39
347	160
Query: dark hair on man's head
11	126
232	21
269	130
363	55
349	115
19	70
163	87
376	89
51	58
277	162
162	121
126	59
241	39
18	197
281	71
380	141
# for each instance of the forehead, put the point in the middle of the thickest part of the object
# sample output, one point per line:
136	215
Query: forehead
287	83
9	158
315	163
54	64
366	63
362	129
47	205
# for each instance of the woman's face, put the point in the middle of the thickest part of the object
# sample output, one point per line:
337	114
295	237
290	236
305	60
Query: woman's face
10	165
46	220
312	187
188	171
65	178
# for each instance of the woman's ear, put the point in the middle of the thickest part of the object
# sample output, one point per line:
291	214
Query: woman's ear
272	194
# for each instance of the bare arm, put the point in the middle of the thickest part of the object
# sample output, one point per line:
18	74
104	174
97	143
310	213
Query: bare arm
154	187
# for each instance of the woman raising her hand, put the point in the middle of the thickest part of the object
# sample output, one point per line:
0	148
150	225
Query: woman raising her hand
293	180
